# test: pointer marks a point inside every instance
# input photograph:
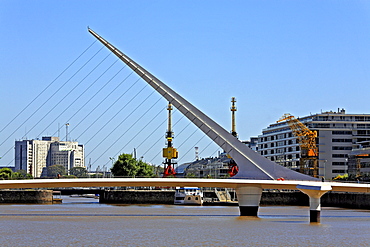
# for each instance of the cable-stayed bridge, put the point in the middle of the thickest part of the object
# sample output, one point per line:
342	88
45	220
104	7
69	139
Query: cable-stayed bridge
109	109
255	172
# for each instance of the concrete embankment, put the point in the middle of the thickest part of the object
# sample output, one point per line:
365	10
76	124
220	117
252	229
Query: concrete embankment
331	199
137	196
26	196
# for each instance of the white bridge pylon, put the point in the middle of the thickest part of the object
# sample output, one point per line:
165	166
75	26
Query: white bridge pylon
251	164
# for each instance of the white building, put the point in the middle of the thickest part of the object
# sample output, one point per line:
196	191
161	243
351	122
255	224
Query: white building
35	155
338	134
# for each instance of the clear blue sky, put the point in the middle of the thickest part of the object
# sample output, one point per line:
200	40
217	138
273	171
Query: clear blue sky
275	57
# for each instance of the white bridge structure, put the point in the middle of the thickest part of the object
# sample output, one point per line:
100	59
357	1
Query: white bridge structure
248	191
255	171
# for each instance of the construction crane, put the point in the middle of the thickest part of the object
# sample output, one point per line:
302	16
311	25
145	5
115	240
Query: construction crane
233	168
308	163
357	159
169	152
233	110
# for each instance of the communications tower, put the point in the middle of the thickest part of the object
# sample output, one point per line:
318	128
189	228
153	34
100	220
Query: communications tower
169	152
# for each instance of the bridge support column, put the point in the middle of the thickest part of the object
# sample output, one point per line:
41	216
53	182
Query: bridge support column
314	192
249	200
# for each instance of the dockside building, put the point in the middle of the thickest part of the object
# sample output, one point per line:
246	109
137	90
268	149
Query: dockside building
34	156
338	134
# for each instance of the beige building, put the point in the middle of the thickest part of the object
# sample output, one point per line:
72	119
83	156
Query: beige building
338	134
34	156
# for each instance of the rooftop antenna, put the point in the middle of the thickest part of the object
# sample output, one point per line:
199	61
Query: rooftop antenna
89	166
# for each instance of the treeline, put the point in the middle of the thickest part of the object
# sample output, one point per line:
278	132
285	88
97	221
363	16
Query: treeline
7	173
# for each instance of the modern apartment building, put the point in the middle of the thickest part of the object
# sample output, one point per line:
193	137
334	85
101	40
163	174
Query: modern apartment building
34	156
338	134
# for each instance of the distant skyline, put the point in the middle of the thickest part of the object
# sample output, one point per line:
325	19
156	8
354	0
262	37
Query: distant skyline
275	57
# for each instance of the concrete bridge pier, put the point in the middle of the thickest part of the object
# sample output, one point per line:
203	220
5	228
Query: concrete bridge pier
314	193
249	200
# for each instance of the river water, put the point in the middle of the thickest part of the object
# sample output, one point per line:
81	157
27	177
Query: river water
85	222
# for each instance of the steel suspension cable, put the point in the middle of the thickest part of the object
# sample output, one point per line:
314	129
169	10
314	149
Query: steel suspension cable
109	108
86	129
160	125
49	99
78	97
162	137
154	130
211	142
92	98
143	127
48	86
129	129
149	122
121	121
192	148
65	96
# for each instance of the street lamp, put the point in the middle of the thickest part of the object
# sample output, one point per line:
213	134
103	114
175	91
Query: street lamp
113	160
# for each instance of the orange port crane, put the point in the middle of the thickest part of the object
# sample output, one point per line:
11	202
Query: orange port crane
169	152
307	142
233	167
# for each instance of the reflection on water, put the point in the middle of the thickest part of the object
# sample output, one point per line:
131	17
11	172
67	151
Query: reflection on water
84	222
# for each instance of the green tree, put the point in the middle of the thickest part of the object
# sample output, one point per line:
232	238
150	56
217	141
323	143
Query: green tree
190	175
6	173
145	170
55	170
127	166
79	172
22	174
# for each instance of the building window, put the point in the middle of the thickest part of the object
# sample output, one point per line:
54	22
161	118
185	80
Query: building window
339	155
341	132
320	125
341	140
338	163
341	148
339	171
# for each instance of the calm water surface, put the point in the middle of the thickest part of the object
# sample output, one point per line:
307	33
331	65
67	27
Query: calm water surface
84	222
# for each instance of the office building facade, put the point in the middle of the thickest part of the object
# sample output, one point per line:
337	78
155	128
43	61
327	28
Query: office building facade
34	156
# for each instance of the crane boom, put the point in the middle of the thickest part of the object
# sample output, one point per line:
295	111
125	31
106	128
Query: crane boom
307	142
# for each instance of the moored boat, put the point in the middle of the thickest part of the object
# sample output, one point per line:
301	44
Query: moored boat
188	196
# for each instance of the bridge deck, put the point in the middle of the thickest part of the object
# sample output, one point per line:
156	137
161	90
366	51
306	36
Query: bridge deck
177	182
